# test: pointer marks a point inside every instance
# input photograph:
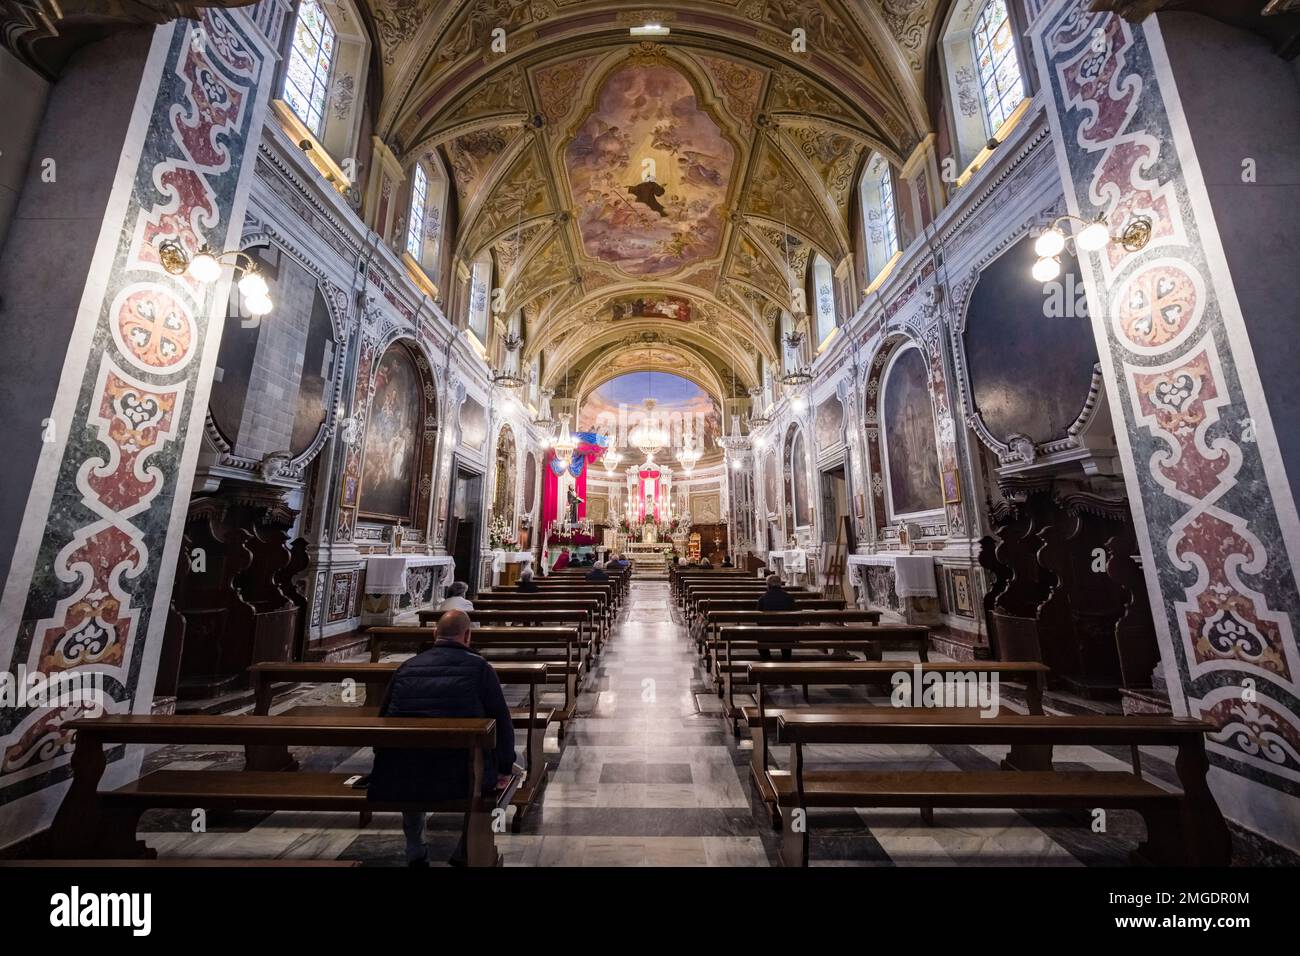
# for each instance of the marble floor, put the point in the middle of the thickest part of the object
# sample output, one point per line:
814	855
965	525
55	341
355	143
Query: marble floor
650	775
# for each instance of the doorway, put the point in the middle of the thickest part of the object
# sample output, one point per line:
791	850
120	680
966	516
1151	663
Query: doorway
463	523
834	509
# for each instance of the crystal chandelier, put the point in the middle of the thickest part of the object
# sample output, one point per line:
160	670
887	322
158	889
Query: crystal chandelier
798	374
545	421
564	445
611	462
687	458
648	436
758	416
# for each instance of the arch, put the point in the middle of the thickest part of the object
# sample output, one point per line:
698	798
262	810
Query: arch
505	475
909	443
797	473
395	474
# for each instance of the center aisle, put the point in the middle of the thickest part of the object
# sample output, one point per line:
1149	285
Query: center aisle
645	778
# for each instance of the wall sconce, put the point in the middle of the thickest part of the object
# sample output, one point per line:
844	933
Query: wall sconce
205	266
1093	237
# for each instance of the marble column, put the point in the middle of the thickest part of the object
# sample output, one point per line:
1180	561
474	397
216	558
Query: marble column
1203	458
154	134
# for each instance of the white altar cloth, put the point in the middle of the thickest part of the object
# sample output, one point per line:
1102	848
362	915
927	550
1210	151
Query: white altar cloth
386	573
501	558
794	561
913	573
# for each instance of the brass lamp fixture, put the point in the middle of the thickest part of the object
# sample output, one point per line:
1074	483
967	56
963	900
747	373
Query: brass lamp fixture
1093	237
799	374
509	377
205	266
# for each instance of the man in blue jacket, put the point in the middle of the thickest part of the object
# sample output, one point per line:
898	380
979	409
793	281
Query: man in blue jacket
448	680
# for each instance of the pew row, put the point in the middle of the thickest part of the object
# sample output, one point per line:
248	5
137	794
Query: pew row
91	823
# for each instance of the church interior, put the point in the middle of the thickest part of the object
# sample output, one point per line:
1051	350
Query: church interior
835	433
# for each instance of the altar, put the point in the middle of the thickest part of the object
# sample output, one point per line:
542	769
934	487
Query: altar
791	564
398	585
902	583
505	566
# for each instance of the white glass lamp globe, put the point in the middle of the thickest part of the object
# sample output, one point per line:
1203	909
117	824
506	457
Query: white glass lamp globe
1047	269
1050	243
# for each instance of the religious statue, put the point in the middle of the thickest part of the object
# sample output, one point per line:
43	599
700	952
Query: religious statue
571	508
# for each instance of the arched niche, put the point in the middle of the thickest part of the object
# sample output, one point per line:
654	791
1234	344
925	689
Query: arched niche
503	492
798	481
397	458
909	446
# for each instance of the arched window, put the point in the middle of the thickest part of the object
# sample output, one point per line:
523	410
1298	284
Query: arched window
1001	87
311	58
824	298
419	204
984	69
323	86
879	212
480	295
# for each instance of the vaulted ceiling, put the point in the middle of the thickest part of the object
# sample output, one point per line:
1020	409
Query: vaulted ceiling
666	191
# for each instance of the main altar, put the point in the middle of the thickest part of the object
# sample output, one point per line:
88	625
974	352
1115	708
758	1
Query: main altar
649	527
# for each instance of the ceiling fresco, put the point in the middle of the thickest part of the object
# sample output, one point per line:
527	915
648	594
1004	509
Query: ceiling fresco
755	150
649	172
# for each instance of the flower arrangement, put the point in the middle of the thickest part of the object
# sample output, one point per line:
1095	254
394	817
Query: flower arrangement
501	534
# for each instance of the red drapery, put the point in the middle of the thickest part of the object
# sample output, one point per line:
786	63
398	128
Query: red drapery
643	475
552	507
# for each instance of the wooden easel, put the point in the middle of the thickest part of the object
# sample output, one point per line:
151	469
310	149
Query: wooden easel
833	567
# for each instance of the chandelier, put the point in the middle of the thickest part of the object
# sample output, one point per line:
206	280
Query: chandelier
545	421
687	458
798	374
611	462
758	416
509	376
648	436
565	444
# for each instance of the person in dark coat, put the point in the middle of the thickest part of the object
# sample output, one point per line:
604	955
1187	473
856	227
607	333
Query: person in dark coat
450	679
597	572
526	582
775	598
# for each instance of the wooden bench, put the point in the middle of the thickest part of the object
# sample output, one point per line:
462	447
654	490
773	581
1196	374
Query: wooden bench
560	648
611	589
532	719
706	642
597	602
802	602
526	617
761	717
1182	828
94	823
870	641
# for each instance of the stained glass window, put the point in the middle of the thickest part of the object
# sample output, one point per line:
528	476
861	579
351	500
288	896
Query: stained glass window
823	286
888	220
310	57
419	201
1001	87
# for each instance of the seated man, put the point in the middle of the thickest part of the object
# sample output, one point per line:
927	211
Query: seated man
562	561
448	680
705	562
455	599
597	572
775	598
726	561
526	582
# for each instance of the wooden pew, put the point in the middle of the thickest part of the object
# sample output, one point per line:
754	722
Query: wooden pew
527	617
622	577
598	602
94	823
613	587
761	718
560	648
1182	828
706	641
746	597
532	719
870	641
803	601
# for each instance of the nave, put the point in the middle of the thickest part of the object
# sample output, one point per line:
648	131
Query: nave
650	775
